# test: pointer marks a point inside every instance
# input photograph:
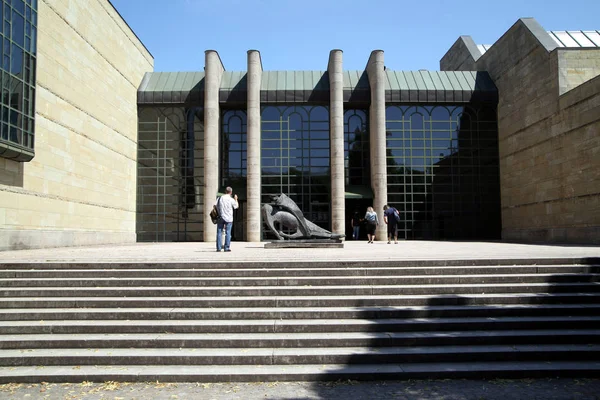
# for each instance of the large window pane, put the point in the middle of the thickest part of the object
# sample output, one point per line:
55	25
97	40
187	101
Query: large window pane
16	139
295	159
170	178
18	29
437	158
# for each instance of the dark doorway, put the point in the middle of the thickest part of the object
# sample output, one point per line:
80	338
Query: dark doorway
360	206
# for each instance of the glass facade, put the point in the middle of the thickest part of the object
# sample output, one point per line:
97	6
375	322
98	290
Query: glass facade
170	174
295	150
18	37
443	171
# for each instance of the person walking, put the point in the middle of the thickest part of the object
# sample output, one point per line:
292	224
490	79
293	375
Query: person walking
355	223
389	217
225	206
372	222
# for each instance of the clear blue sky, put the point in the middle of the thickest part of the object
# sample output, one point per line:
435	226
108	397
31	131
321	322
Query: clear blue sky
298	35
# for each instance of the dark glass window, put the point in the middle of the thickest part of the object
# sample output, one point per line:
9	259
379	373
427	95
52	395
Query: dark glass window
18	29
19	5
437	158
356	147
17	73
233	149
170	174
295	159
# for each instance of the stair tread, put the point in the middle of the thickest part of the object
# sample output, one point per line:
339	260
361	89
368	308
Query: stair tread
291	288
253	351
292	322
288	277
292	335
283	372
242	298
141	265
292	309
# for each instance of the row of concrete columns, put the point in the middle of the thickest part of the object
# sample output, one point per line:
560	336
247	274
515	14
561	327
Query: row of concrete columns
214	72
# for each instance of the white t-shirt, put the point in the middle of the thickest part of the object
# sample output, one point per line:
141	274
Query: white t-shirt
226	206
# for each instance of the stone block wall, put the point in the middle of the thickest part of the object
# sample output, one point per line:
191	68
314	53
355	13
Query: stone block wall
549	137
554	192
462	56
576	67
80	187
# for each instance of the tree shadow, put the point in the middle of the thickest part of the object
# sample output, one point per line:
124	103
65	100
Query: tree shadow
456	323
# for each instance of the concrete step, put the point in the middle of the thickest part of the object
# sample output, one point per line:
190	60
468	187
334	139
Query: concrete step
301	301
283	356
299	281
300	372
309	263
264	291
295	325
284	313
200	271
299	320
299	340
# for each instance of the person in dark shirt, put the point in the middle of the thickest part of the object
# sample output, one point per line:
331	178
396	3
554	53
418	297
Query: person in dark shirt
389	217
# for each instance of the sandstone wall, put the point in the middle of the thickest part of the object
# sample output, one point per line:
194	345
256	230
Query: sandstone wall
80	188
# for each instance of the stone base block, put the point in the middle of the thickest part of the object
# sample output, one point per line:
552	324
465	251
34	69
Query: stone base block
310	244
577	235
37	239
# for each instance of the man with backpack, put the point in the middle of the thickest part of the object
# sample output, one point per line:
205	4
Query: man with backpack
225	206
391	217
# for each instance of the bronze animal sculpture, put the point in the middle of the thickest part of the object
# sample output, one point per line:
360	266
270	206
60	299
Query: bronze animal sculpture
285	213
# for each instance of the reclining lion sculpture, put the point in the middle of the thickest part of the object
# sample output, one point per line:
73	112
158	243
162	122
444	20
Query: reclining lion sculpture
285	213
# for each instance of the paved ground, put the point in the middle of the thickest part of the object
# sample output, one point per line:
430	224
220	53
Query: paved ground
255	252
529	389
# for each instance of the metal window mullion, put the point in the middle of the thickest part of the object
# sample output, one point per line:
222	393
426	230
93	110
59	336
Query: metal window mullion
164	183
157	136
288	153
280	147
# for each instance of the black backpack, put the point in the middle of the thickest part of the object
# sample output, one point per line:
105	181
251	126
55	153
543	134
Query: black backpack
214	213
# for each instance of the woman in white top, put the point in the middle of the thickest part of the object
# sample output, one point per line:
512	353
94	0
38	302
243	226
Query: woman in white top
372	222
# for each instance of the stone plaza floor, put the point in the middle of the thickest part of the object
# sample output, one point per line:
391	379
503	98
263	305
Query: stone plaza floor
255	252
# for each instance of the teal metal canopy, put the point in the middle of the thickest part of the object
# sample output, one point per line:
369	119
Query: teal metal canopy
313	86
171	88
439	87
294	86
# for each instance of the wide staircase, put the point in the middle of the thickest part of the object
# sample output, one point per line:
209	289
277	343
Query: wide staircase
299	320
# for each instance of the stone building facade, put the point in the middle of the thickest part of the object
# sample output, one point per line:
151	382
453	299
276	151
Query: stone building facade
95	148
549	129
75	183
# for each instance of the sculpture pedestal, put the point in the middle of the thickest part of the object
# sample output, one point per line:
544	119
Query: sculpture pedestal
309	243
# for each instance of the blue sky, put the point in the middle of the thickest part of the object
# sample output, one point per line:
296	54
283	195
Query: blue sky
298	35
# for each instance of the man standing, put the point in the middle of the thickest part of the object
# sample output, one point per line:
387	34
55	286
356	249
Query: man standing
389	216
225	205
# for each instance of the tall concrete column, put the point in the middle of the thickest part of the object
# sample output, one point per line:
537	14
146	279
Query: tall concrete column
336	136
376	74
213	72
253	222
